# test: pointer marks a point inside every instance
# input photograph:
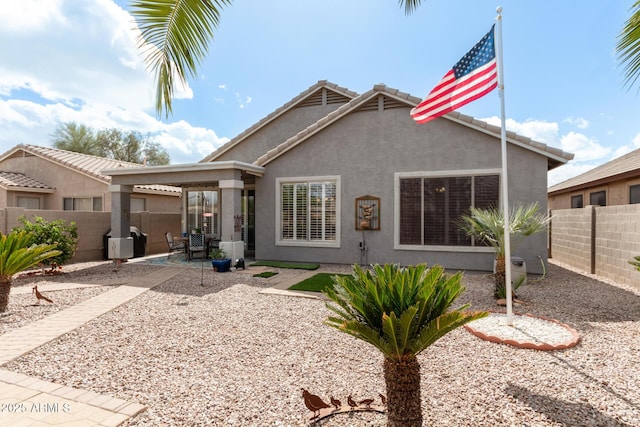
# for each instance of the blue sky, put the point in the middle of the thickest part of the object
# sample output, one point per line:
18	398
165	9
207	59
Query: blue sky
76	60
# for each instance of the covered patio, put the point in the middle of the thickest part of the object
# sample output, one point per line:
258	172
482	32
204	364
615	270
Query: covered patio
212	201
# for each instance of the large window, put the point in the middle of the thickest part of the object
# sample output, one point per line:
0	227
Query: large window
430	207
83	204
308	211
634	194
598	198
576	202
28	202
203	212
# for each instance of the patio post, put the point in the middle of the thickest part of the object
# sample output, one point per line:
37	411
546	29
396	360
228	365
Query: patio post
231	209
120	243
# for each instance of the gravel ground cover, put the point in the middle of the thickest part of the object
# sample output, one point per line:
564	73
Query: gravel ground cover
223	354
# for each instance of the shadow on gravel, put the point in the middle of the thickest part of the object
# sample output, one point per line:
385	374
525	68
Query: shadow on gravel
577	299
562	412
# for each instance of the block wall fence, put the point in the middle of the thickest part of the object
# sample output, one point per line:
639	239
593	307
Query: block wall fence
600	240
92	226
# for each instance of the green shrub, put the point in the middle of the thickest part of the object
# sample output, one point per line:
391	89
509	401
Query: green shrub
64	236
635	262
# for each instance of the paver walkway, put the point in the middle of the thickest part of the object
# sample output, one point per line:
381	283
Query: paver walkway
29	401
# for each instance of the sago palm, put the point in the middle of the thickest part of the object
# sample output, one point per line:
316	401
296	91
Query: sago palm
17	253
487	225
400	311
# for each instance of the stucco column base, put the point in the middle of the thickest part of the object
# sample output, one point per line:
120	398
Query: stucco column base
234	250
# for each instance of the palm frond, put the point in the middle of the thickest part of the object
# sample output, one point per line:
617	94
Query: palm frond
409	5
175	36
628	46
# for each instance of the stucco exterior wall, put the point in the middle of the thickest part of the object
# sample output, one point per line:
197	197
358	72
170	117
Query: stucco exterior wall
276	132
92	226
70	183
365	149
617	194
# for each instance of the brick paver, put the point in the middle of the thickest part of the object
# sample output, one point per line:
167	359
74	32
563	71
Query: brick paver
29	401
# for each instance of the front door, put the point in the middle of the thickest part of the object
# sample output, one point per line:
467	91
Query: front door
249	221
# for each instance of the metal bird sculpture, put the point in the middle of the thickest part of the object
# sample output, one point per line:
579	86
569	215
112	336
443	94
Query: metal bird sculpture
383	399
366	402
39	296
351	402
336	403
314	403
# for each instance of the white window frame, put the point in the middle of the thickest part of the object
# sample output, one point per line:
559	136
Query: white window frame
436	174
278	214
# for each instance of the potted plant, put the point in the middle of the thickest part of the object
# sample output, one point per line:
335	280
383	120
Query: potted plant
220	262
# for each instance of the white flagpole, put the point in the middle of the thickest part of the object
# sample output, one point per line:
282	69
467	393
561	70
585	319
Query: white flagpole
505	189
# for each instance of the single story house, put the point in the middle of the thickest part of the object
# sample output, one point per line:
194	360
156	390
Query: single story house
616	182
333	176
44	178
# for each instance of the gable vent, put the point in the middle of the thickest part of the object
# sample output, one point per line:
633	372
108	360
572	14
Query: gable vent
331	98
312	101
387	103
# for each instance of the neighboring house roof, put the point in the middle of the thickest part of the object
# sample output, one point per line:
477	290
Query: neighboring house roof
311	96
394	98
620	168
91	166
19	181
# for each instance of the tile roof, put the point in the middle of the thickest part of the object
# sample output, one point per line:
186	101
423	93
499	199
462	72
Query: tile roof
556	156
278	112
629	164
20	180
85	164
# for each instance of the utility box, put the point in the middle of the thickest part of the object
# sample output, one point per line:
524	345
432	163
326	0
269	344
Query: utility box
518	269
120	248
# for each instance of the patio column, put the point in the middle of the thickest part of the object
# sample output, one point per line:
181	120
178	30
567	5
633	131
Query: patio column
120	242
231	226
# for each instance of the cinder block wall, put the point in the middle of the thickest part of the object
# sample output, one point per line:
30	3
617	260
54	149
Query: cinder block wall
92	226
571	237
617	242
598	239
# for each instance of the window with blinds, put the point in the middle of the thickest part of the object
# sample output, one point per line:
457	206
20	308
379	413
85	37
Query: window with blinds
308	211
431	207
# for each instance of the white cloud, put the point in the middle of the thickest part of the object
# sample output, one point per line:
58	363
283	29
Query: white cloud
584	148
588	152
89	71
567	171
627	148
30	16
578	122
541	131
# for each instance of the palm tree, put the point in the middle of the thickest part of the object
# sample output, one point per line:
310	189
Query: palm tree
628	47
400	311
17	253
487	226
175	36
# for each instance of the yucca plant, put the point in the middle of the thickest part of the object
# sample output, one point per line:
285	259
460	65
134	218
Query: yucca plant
400	311
17	253
487	225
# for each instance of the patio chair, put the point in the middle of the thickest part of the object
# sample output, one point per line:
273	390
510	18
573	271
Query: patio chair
197	244
174	245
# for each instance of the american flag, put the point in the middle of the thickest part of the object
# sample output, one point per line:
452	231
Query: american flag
474	76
